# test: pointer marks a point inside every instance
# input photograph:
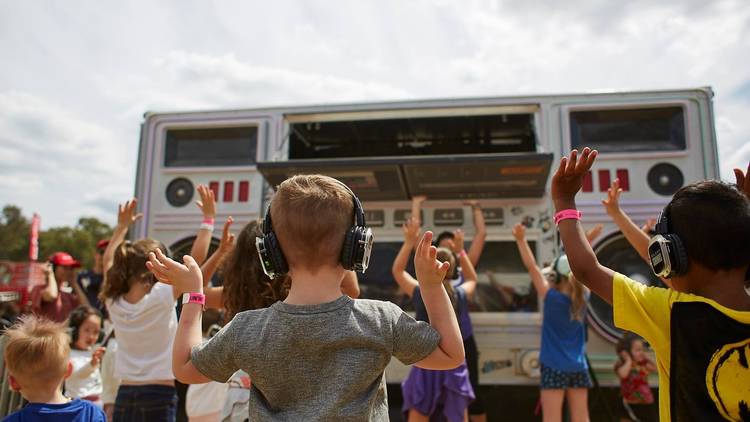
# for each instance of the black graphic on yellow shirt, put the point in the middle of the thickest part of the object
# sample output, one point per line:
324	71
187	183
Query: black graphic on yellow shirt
709	371
728	382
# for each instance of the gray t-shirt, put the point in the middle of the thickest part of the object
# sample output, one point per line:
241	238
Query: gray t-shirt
316	362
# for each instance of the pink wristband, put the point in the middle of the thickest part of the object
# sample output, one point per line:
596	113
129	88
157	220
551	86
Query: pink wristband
569	214
462	254
198	298
210	221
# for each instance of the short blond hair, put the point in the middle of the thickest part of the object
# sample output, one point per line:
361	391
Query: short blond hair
37	351
311	215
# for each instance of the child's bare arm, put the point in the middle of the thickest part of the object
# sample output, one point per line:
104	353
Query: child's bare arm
126	215
467	267
402	277
626	364
207	205
594	233
214	261
430	273
50	291
350	285
183	278
416	208
566	183
214	297
527	256
480	232
637	238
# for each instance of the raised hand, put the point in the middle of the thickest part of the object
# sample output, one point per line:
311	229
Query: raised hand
519	231
126	213
612	201
429	270
474	203
743	180
96	357
207	203
649	226
568	178
458	241
411	230
594	232
186	278
227	238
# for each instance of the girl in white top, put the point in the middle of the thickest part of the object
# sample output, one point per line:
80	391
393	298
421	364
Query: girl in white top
85	382
144	318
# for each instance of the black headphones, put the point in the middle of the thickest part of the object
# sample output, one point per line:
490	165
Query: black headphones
355	253
666	252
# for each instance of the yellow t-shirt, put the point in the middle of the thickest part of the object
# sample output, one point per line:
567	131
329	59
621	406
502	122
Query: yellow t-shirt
702	350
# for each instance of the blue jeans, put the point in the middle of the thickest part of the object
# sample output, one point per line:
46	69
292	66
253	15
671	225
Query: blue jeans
145	403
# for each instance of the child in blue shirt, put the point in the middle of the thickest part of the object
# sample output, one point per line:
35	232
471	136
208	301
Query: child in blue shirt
37	355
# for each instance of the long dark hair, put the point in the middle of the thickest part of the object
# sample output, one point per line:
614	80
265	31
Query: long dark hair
245	285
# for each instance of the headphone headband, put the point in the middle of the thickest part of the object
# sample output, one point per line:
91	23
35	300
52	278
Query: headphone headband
355	253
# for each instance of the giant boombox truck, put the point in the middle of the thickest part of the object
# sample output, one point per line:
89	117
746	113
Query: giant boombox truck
498	150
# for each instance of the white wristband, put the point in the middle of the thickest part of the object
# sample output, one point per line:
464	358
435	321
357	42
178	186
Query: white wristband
206	226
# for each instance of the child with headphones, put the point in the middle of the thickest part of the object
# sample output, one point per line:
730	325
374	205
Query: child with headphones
565	371
429	393
699	329
632	368
85	382
318	355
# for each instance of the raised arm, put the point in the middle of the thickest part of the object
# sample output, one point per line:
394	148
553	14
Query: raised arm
416	208
126	215
214	261
207	205
566	183
430	273
527	257
350	285
184	278
402	277
467	267
637	238
480	232
51	290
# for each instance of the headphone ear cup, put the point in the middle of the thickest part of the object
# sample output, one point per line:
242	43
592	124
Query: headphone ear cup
679	255
276	256
347	250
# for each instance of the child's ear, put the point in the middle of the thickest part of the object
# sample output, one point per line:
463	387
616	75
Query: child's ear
13	383
69	370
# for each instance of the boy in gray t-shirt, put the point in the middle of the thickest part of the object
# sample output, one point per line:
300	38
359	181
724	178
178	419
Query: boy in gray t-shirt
318	355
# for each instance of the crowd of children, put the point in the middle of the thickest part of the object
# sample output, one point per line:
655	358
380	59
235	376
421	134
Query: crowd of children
293	343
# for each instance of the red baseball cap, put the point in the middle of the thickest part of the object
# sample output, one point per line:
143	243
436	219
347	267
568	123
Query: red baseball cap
64	260
102	244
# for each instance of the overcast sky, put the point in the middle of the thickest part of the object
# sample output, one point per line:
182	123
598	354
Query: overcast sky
77	76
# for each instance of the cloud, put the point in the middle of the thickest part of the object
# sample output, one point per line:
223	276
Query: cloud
57	162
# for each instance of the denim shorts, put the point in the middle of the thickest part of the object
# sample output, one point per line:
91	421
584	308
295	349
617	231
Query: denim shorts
554	379
145	403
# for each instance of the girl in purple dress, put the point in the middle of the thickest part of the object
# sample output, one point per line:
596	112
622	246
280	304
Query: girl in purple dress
429	394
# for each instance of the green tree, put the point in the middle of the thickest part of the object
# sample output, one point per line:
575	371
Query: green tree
14	234
79	241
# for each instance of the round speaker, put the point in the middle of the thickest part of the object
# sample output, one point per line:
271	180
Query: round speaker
179	192
665	179
616	253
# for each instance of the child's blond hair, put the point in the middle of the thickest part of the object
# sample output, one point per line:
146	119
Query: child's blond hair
37	352
311	215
